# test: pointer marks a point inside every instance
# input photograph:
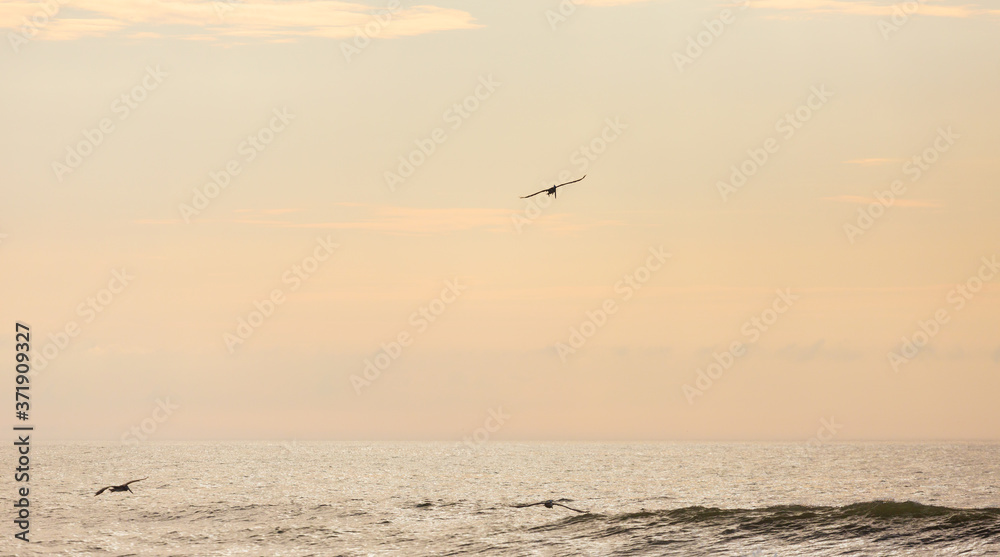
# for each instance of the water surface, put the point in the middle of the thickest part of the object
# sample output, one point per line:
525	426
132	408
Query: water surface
299	499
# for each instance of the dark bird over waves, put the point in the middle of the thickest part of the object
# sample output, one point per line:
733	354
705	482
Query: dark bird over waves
548	504
123	487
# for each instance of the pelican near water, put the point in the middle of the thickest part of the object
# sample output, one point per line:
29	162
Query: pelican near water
123	487
548	504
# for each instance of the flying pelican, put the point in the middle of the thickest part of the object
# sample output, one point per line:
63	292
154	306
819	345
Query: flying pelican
552	191
548	504
123	487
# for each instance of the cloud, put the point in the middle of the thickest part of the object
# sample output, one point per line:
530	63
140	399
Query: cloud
392	220
400	220
409	220
608	2
267	211
563	223
873	161
273	20
862	200
867	8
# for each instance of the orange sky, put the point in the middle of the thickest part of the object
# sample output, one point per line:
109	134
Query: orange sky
301	220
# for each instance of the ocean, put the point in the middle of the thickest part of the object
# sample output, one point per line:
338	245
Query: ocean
358	499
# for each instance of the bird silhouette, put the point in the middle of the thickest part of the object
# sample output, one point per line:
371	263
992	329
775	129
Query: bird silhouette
123	487
548	505
552	191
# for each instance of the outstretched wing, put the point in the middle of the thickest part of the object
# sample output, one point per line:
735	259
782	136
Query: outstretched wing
133	481
102	490
536	193
568	183
570	508
554	187
528	505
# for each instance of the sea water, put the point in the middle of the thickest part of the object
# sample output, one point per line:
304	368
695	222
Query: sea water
353	498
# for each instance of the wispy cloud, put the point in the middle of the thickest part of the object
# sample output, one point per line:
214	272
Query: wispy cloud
220	19
406	220
818	351
358	216
868	8
609	2
863	200
397	220
267	211
873	161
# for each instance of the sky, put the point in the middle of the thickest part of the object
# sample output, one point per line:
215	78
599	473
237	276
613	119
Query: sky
301	220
